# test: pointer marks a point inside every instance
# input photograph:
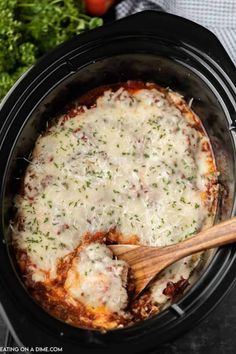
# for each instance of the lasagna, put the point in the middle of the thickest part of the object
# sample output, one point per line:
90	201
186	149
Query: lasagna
129	163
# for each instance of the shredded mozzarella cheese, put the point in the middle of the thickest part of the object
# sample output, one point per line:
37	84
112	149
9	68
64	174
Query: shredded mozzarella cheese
131	162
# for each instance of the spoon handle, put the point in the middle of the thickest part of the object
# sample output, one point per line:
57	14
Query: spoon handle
146	262
218	235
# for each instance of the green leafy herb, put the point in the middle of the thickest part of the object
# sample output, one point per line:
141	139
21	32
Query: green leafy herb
29	28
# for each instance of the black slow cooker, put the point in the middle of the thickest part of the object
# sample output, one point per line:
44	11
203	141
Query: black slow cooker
152	47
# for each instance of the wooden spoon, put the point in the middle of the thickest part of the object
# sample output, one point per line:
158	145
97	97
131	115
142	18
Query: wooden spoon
146	262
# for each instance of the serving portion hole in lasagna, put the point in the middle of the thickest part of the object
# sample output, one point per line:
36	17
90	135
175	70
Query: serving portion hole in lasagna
129	163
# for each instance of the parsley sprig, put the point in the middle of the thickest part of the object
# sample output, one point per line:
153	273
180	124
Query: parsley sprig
29	28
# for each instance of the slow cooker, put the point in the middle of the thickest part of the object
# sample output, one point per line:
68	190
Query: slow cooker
151	47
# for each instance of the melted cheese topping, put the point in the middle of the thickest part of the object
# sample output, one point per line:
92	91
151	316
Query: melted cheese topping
132	162
96	280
